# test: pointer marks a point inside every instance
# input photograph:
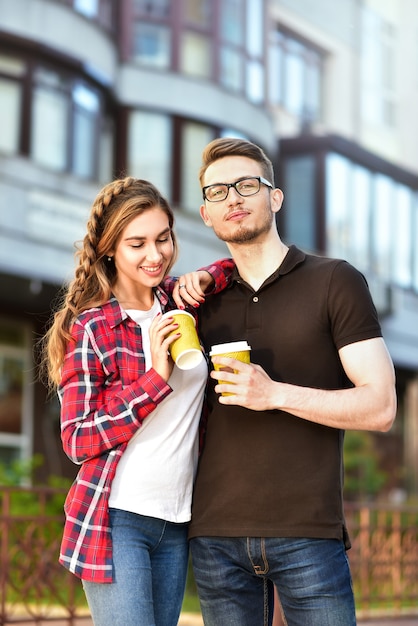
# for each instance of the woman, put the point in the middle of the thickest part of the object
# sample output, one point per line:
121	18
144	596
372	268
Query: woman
129	417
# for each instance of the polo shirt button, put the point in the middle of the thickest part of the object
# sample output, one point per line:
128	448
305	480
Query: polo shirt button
255	299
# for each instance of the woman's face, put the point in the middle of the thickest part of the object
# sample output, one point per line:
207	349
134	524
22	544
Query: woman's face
145	250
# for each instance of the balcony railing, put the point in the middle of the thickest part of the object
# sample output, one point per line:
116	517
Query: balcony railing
35	588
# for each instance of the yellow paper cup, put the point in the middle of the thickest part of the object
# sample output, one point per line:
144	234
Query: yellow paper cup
185	351
239	350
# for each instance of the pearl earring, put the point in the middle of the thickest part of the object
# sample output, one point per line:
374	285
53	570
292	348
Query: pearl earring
109	258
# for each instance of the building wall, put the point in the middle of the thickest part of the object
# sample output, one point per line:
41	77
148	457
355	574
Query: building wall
43	210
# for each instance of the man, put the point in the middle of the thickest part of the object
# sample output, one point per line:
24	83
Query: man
268	496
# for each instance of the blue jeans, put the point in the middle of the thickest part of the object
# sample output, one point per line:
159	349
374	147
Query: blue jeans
150	558
235	576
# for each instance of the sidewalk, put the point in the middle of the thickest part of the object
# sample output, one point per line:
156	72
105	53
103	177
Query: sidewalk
194	619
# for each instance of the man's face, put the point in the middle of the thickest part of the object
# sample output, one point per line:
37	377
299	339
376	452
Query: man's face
239	219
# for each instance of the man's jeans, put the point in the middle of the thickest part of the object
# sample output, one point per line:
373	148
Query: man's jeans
150	559
234	578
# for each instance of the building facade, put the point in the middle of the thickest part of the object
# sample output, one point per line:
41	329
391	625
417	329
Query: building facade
91	90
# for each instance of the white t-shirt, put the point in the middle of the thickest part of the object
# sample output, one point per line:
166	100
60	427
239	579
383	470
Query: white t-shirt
155	474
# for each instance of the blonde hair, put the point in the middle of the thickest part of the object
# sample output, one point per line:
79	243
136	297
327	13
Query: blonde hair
232	146
113	209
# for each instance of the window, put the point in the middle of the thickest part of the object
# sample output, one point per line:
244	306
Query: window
231	75
10	105
295	76
195	55
159	8
414	231
222	40
299	211
255	82
15	390
152	44
232	21
101	11
378	93
86	111
338	206
66	123
360	217
50	121
149	149
401	236
65	126
152	37
370	221
382	226
194	139
198	12
11	69
89	8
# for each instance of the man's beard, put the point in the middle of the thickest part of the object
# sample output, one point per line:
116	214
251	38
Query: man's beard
245	234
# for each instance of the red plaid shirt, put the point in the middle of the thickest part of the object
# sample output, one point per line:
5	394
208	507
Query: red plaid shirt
105	395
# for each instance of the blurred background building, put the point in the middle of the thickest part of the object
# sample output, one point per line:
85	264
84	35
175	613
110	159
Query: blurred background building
91	90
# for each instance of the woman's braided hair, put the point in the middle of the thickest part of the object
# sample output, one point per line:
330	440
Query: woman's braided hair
114	207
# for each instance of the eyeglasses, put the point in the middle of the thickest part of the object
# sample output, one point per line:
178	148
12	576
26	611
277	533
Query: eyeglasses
245	187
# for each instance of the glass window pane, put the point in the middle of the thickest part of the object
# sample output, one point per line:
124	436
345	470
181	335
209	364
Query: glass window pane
382	227
338	206
84	144
255	82
106	146
275	74
152	44
198	12
86	112
49	137
401	239
12	66
90	8
196	55
415	239
10	103
255	30
294	77
231	69
312	90
232	27
359	253
299	210
149	149
158	8
11	391
195	137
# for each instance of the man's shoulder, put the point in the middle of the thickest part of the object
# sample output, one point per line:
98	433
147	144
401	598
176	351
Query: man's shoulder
298	258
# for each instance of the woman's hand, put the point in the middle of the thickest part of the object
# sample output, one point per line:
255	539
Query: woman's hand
190	288
160	343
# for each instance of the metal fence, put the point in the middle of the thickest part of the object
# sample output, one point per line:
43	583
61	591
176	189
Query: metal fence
35	588
384	557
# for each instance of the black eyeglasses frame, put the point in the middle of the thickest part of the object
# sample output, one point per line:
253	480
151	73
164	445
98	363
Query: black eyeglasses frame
261	180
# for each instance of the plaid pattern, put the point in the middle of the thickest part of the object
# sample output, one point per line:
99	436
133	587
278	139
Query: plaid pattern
105	395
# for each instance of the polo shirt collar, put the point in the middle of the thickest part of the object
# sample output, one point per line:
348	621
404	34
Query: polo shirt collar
293	258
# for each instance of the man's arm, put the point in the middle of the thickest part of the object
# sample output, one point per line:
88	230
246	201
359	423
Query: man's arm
369	405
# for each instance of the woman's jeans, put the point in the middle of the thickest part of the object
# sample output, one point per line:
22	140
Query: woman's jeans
235	577
150	558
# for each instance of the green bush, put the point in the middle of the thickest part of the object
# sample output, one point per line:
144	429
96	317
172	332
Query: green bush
363	477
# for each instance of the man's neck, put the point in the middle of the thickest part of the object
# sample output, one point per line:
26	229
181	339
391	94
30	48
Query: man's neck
259	260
